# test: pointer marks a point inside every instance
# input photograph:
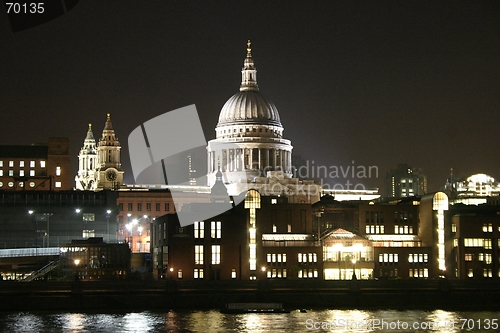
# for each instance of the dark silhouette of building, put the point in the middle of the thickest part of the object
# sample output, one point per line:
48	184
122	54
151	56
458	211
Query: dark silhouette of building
405	181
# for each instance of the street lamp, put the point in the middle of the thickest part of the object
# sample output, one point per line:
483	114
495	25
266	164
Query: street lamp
354	269
77	262
107	223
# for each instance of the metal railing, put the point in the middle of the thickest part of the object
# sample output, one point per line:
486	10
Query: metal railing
42	271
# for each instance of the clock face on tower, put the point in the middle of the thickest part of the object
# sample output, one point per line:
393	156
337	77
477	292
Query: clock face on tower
111	175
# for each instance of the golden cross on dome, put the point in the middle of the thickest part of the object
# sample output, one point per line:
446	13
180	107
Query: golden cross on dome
249	49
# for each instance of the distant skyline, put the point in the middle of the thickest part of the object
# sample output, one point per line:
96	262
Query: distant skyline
377	83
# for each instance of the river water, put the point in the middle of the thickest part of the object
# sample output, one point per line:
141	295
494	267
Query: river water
214	321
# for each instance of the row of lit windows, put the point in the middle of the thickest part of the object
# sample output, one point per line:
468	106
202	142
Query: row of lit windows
418	257
486	257
276	273
307	257
21	164
375	229
478	242
487	272
307	274
418	272
388	257
31	184
403	229
273	258
130	206
215	229
32	173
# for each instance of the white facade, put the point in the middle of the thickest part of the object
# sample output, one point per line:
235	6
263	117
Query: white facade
249	136
99	164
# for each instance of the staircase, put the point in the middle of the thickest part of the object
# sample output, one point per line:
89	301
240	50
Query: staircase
42	271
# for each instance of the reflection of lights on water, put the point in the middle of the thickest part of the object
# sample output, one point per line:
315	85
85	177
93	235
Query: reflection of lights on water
74	322
136	322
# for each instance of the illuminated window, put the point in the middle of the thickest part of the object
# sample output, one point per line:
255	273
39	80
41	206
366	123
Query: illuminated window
215	254
179	274
198	254
11	184
11	164
42	164
32	184
1	184
58	184
487	258
32	164
11	173
487	244
58	171
453	227
470	273
233	273
215	229
473	242
88	217
21	173
199	229
487	272
1	164
21	184
289	228
274	228
455	242
487	227
32	173
274	201
198	273
1	173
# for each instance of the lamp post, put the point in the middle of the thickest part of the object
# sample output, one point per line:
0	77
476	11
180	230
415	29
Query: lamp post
48	215
77	262
354	269
107	223
318	215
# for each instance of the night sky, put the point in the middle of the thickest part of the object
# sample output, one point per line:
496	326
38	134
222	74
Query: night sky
374	82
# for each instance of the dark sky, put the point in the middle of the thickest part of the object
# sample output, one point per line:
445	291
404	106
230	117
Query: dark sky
374	82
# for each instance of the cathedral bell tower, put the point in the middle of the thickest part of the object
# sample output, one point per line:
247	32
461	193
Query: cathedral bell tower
87	163
109	170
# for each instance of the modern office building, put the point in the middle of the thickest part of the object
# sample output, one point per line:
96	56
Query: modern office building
405	181
37	167
261	238
474	241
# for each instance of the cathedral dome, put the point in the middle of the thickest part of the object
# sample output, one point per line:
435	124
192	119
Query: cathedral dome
249	107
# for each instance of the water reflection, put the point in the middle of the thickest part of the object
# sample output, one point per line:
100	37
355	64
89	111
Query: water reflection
214	321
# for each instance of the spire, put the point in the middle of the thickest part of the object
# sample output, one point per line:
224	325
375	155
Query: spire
108	125
249	73
90	134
